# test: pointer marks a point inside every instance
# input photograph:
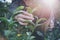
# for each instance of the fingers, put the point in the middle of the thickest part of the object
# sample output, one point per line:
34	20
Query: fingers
23	23
21	18
25	13
24	17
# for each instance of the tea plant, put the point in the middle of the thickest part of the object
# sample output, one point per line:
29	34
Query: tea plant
14	31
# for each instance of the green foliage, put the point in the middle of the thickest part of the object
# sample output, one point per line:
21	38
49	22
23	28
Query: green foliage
20	8
4	9
14	31
29	10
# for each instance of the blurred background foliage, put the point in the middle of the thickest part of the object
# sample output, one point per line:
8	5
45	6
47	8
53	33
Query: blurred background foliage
4	12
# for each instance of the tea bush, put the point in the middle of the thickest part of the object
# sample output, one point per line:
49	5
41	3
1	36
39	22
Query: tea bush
12	30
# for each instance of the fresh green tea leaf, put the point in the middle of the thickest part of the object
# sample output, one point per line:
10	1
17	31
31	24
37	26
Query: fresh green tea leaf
20	8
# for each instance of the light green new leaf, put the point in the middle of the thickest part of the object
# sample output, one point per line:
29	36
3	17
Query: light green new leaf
29	10
41	19
20	8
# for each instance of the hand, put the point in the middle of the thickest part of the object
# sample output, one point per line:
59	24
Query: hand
24	16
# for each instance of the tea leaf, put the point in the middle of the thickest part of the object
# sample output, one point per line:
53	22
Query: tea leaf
20	8
41	19
29	10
